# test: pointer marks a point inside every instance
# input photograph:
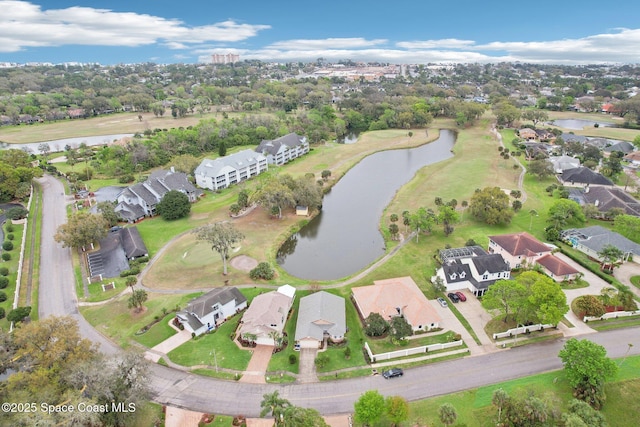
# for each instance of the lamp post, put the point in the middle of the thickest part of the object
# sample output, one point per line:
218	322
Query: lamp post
215	359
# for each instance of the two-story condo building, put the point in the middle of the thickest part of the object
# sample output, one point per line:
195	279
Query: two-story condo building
225	171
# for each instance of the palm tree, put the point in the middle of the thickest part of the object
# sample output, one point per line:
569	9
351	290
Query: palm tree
447	413
532	213
609	255
274	404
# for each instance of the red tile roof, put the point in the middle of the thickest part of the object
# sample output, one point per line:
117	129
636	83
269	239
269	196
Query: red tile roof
556	265
520	244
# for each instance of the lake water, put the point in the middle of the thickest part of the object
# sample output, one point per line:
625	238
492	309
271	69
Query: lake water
344	238
577	124
58	145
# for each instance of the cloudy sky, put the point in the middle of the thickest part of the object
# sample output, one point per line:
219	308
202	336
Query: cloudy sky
400	31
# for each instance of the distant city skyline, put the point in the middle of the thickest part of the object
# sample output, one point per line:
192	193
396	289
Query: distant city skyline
404	31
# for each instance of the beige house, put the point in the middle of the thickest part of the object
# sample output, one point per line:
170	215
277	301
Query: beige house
266	316
518	249
397	297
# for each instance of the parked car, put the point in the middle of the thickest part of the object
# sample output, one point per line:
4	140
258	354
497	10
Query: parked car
442	302
393	372
461	296
296	347
453	297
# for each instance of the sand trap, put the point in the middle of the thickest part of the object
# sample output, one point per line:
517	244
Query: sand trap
243	263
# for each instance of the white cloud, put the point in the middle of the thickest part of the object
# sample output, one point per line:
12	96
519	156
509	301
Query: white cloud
329	43
24	25
437	44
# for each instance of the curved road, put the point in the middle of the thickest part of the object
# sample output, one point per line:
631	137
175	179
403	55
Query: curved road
178	388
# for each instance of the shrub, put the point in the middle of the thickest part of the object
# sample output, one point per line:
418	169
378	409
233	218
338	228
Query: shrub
7	245
10	236
130	272
322	360
18	314
3	296
262	271
292	359
4	282
2	313
9	227
6	256
16	212
4	271
125	179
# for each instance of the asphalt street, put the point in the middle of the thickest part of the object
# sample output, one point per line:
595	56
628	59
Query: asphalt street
178	388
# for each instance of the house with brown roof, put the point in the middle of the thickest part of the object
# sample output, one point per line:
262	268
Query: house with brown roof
399	296
518	249
528	134
265	318
557	269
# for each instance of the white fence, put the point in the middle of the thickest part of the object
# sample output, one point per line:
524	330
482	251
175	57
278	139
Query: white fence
16	294
612	315
409	351
521	330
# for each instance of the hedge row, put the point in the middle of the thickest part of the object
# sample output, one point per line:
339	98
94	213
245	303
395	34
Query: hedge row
601	274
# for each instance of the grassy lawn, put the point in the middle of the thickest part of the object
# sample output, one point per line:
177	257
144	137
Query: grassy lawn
384	345
157	333
200	351
474	406
31	262
635	281
120	323
622	322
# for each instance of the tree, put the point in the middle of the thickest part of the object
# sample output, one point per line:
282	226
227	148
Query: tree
137	299
580	410
628	226
222	236
491	205
590	305
107	209
18	314
400	328
546	298
295	416
274	405
541	168
397	409
535	115
610	255
587	367
565	212
82	229
375	325
369	408
325	174
447	414
222	149
307	193
503	295
422	220
447	215
500	399
394	230
174	205
275	194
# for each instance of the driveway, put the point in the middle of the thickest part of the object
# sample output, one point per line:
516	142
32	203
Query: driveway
451	322
477	317
625	272
307	367
258	365
167	345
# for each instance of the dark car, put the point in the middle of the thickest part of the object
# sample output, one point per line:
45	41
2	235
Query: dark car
393	372
453	297
461	296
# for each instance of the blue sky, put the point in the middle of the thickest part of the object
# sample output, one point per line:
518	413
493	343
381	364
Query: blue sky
399	31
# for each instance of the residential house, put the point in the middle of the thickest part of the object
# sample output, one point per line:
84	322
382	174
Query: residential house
621	146
557	269
545	135
321	316
562	163
208	311
397	297
634	158
471	268
518	249
140	200
591	241
528	134
225	171
265	318
284	149
583	176
522	249
605	199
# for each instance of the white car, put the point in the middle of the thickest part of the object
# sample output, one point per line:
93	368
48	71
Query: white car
442	302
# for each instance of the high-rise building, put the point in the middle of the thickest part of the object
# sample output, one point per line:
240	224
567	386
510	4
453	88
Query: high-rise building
228	58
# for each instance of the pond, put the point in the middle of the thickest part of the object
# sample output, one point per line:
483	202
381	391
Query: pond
345	237
58	145
349	138
577	124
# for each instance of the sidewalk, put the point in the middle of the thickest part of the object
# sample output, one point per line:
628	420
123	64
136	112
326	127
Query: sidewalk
167	345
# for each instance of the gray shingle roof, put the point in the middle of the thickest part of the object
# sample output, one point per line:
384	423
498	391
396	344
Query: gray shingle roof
584	175
212	168
132	243
320	312
492	263
202	305
131	212
146	195
272	147
597	237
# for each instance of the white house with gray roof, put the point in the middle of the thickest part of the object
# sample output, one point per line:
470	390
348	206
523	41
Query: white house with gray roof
320	315
140	200
225	171
206	312
284	149
592	240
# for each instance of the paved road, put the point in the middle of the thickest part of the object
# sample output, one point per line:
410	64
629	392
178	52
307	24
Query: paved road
178	388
